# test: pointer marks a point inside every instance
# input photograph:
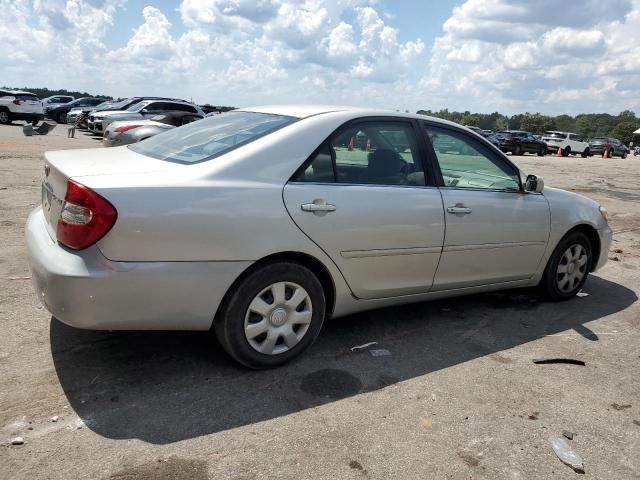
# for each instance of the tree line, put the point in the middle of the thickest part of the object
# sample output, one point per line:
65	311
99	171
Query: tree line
590	125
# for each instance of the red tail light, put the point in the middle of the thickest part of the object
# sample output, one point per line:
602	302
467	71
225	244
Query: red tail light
126	128
86	217
508	139
17	101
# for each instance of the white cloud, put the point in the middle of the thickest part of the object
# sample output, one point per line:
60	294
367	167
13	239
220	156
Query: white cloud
508	55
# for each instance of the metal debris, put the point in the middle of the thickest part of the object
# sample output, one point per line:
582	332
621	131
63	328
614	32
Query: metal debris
567	434
569	361
357	348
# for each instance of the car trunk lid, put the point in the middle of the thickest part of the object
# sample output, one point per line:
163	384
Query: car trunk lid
61	166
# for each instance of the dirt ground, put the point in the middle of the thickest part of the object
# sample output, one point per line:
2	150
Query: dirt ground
458	396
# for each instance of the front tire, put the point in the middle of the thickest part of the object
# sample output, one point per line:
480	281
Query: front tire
272	316
542	152
585	154
61	118
517	150
624	155
568	268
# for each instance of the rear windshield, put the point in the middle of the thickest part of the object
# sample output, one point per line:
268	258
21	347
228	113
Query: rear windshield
26	96
135	107
555	134
210	137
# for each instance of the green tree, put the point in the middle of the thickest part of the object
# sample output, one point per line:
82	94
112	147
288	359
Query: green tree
470	120
623	131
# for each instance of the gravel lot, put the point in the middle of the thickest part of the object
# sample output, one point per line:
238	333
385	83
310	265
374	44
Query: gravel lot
459	396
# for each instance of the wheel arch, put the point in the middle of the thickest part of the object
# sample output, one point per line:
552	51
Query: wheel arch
592	234
316	266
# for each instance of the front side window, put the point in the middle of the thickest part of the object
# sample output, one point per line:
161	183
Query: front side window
465	163
372	153
211	137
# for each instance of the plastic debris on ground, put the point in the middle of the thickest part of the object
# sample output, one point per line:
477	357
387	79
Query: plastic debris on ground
566	454
379	352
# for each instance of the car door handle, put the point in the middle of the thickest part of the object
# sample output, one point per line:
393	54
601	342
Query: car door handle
318	207
459	209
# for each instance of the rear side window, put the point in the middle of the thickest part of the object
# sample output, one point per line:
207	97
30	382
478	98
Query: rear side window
26	96
211	137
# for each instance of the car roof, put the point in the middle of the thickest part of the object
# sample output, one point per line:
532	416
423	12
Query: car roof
301	111
20	92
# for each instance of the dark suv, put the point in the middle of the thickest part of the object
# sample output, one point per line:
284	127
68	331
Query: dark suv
519	143
613	146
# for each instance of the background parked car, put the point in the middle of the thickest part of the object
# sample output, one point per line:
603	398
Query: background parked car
138	111
132	131
519	143
120	105
55	101
19	105
488	134
567	142
59	114
613	147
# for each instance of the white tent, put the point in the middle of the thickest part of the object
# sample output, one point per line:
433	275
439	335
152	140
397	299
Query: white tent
637	131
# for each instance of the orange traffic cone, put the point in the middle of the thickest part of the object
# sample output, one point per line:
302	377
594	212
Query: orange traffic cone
351	142
559	152
605	154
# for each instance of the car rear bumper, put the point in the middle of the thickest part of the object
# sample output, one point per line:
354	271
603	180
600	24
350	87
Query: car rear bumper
84	289
507	148
116	139
26	116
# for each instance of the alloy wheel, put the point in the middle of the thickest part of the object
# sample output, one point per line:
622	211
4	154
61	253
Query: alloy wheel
278	318
4	116
572	268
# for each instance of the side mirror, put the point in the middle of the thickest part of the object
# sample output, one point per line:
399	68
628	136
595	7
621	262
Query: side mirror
534	184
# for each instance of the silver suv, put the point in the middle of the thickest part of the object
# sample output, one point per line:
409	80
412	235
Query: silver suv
19	105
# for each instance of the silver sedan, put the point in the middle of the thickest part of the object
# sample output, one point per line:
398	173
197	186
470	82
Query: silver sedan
262	222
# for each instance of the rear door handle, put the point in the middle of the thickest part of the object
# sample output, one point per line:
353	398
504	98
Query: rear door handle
318	207
459	209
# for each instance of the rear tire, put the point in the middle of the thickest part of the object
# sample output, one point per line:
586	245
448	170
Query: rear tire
273	315
517	150
568	267
5	116
624	155
566	152
61	118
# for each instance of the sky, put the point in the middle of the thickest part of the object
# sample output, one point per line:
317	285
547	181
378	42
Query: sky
510	56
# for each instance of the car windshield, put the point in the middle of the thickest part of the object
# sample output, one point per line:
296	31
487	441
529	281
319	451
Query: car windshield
120	104
211	137
555	134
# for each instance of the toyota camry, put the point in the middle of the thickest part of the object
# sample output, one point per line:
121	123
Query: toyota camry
262	222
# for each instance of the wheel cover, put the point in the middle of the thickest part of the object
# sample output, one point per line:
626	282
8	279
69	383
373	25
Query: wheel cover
278	318
572	268
4	116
